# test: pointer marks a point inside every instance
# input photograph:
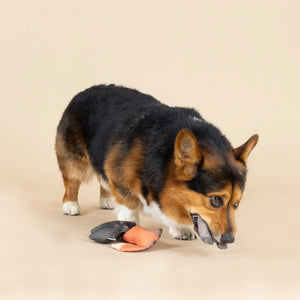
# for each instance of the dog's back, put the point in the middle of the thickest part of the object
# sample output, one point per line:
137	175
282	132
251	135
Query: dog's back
100	116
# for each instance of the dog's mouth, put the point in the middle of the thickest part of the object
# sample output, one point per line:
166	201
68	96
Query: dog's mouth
204	232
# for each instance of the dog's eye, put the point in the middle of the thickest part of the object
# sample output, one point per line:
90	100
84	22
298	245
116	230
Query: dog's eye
216	201
235	205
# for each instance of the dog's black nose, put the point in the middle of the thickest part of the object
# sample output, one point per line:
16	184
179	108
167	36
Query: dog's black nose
227	238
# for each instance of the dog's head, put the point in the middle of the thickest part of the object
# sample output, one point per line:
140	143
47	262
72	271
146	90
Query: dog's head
206	182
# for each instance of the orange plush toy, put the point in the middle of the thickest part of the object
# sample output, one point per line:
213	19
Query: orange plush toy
138	239
134	238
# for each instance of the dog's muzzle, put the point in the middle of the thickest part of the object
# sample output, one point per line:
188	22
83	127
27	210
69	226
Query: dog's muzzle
206	236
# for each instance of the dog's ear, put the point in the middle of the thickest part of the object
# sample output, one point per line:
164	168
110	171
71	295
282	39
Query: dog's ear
186	154
241	153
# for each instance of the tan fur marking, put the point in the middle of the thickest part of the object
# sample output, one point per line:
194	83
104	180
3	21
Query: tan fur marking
132	166
111	162
104	192
175	202
225	193
211	161
73	168
129	178
236	197
71	192
131	202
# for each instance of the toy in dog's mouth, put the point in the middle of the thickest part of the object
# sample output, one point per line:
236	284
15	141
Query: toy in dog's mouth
204	232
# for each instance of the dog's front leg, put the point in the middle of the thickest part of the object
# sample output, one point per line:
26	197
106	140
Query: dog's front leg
126	214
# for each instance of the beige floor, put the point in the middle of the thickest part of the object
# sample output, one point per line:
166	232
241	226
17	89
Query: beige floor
237	62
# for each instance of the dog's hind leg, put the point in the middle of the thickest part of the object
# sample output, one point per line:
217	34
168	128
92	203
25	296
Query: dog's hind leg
75	167
70	199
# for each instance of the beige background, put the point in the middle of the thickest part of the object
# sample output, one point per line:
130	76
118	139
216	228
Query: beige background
235	61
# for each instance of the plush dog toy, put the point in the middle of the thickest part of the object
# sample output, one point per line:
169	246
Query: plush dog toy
136	238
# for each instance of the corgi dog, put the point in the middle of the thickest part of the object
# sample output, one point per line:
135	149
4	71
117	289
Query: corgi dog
167	161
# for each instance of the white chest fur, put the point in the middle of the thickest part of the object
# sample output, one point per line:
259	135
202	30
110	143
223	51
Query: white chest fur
176	230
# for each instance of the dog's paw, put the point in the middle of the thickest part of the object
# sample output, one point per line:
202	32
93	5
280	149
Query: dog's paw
106	203
71	208
184	233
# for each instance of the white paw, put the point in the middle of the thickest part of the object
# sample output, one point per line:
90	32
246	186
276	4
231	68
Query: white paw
182	233
106	203
71	208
